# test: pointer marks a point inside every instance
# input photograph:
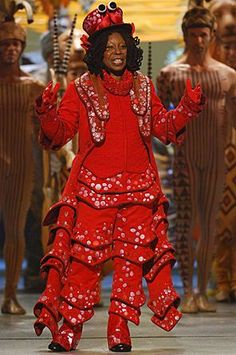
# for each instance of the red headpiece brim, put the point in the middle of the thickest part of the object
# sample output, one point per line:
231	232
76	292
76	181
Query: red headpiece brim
104	18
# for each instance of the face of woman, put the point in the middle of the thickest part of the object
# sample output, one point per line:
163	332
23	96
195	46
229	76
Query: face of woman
115	53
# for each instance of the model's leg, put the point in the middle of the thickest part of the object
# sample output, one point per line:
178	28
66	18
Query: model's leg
15	196
211	187
231	213
222	271
107	269
79	295
90	248
163	300
226	226
131	248
233	271
33	228
140	247
185	198
126	298
54	267
82	243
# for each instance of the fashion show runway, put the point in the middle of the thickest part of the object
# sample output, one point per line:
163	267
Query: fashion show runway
203	334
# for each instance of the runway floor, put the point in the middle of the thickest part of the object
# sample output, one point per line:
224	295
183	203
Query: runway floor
213	333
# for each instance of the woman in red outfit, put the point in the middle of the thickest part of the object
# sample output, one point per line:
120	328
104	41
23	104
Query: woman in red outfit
112	205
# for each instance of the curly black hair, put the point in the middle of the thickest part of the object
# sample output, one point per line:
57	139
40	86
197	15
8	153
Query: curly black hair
94	56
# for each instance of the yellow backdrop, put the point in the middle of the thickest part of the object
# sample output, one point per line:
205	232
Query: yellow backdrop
156	20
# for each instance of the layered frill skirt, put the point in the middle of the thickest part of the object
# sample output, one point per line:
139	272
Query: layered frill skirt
97	223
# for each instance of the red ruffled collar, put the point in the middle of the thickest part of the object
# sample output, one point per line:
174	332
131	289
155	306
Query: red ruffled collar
92	93
118	87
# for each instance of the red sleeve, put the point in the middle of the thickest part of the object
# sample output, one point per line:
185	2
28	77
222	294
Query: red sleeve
58	126
169	126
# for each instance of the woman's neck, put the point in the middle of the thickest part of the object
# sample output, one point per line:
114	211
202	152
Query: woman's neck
116	74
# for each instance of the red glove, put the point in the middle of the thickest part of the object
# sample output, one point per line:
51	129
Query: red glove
48	97
196	94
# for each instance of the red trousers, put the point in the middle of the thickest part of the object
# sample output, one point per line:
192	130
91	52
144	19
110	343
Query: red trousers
137	243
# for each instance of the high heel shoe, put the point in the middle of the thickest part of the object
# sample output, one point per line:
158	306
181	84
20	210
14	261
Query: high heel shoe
118	335
67	338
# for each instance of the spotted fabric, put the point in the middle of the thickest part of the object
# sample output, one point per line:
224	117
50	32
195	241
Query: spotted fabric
136	240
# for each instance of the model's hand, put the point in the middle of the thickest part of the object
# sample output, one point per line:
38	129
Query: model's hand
196	94
53	75
49	96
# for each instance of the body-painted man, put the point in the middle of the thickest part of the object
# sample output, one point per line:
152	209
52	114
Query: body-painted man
17	93
199	169
225	259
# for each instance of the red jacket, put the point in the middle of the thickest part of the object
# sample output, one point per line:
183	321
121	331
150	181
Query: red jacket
115	129
124	148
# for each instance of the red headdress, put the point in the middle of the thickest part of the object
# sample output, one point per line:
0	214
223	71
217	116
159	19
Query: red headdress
101	19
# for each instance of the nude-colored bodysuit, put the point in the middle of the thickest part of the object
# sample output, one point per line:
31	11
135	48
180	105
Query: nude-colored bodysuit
199	168
16	170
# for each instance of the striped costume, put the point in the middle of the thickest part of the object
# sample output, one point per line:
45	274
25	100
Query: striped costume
199	169
16	170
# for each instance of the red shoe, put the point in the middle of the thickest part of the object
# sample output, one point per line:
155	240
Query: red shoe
118	335
67	338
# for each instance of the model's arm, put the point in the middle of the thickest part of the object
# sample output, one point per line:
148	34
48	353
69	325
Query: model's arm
169	126
58	125
163	88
